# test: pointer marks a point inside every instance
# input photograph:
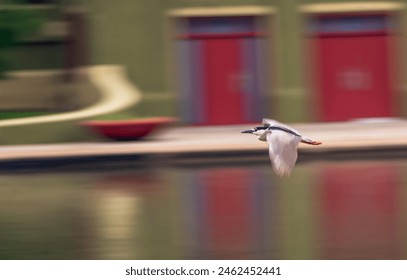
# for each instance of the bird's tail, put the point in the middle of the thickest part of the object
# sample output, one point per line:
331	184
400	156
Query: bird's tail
309	141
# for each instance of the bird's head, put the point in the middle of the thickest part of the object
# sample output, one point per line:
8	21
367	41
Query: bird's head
259	131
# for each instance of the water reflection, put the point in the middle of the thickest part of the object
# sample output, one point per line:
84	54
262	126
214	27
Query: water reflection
325	210
228	212
361	209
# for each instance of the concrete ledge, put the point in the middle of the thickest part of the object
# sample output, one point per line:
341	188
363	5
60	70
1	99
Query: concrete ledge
203	143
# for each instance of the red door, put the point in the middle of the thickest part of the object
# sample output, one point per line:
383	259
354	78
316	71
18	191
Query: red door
353	69
223	72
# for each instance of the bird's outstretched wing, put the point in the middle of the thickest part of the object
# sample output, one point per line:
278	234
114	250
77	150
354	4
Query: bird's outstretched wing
282	151
275	123
272	122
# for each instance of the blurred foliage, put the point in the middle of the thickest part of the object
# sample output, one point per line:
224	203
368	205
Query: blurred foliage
17	22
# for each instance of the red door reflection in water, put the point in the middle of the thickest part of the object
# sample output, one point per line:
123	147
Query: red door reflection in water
360	212
228	212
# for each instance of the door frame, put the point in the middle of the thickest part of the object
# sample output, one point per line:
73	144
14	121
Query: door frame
395	9
175	16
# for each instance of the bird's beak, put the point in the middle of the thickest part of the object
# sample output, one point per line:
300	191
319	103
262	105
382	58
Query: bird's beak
248	131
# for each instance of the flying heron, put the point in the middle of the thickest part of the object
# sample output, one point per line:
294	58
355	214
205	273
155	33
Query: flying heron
283	142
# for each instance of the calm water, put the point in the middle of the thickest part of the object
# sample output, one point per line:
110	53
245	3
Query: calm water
325	210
